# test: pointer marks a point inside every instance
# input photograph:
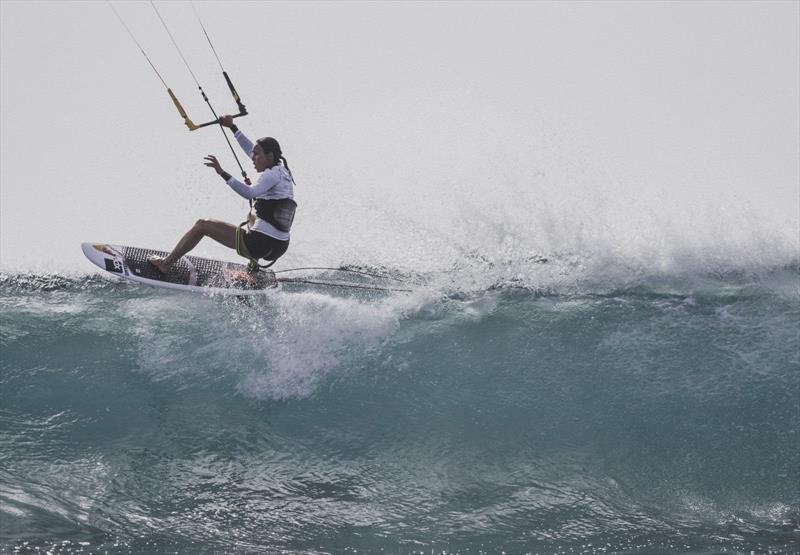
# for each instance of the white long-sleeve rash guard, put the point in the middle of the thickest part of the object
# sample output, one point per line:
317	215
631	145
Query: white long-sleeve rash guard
276	182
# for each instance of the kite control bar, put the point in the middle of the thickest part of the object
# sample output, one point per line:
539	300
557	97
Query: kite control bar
193	126
186	120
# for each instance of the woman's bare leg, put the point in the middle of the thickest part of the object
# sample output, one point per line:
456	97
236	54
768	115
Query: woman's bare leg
221	232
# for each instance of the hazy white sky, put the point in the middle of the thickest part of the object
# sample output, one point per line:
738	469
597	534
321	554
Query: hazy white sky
380	104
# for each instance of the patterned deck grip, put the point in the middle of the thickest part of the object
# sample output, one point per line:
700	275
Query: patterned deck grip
208	273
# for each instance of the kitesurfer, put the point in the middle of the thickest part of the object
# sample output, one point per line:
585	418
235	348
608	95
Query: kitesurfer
269	221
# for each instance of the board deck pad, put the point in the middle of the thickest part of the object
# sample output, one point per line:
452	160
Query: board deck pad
190	272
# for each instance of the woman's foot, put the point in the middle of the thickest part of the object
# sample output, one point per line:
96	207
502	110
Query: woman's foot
160	263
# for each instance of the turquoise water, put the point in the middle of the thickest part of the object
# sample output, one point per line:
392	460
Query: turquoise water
656	416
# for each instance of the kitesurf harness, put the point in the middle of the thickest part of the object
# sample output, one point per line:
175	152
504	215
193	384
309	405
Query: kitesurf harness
279	212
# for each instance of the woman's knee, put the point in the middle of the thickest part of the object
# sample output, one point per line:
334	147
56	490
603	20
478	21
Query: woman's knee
202	225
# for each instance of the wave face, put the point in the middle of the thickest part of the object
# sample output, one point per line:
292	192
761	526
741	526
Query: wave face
477	413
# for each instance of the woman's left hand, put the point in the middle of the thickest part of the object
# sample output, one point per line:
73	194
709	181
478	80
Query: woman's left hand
212	162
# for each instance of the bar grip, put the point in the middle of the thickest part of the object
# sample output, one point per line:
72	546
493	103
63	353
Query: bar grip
242	109
182	112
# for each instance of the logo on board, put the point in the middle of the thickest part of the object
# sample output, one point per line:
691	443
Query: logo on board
113	265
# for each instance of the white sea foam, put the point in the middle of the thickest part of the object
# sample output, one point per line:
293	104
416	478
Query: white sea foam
308	335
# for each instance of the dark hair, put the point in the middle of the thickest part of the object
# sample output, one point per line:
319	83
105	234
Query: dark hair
269	144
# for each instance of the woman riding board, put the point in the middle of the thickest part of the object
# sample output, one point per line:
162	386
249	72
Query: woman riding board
271	215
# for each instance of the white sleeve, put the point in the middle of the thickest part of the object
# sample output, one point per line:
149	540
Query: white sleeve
244	142
266	181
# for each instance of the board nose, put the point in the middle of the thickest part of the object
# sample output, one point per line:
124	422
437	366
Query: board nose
87	249
94	252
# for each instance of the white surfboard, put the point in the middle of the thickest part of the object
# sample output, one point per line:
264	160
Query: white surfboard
190	273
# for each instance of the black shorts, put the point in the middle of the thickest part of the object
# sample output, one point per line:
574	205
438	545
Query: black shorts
260	245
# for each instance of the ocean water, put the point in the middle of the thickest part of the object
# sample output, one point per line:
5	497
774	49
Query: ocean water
592	211
526	404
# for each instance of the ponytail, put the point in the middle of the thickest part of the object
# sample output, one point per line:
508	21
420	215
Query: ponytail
286	165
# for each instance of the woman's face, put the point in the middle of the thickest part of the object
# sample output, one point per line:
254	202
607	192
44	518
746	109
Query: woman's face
261	160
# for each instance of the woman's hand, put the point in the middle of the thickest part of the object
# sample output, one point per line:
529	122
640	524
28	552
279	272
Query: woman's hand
212	162
226	121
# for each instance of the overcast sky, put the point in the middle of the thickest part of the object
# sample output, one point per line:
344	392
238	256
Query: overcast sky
381	104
